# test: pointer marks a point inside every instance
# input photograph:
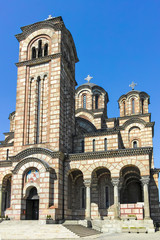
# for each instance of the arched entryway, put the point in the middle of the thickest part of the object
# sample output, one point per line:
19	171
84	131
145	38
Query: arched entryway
76	198
131	191
101	193
32	205
6	193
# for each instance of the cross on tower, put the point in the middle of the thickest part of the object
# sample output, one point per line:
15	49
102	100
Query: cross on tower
88	78
49	17
132	85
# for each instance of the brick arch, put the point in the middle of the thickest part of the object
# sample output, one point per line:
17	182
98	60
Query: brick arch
31	162
45	31
89	169
5	173
28	187
132	162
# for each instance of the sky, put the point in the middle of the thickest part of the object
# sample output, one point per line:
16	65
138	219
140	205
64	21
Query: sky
117	41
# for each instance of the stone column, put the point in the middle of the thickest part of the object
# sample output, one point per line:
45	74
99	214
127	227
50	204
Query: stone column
115	182
87	183
145	181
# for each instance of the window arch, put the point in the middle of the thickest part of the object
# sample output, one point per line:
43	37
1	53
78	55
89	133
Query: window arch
40	48
105	144
142	103
133	105
84	101
93	145
124	108
135	144
33	52
46	49
96	101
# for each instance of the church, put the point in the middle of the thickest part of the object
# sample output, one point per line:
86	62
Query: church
63	156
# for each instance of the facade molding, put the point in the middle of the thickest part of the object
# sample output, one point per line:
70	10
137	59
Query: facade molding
30	151
110	154
40	60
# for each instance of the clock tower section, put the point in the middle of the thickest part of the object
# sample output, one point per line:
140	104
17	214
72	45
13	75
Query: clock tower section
45	104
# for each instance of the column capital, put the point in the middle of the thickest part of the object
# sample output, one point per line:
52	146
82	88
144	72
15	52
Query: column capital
115	181
87	182
145	180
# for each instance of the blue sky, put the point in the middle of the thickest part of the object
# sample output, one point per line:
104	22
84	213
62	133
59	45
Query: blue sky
118	41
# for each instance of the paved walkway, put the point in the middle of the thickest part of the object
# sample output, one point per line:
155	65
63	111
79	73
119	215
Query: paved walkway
23	230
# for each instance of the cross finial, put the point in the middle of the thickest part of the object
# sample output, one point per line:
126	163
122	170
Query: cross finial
132	85
88	78
49	17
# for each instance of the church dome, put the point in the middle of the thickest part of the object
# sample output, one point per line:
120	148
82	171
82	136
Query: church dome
134	102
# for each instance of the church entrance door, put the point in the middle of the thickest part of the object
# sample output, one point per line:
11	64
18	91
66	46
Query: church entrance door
32	205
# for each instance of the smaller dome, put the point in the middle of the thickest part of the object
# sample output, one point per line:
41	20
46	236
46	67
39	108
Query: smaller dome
89	84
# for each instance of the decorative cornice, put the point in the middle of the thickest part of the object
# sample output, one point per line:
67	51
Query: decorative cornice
99	133
54	23
3	144
32	159
134	116
30	151
6	163
40	60
110	154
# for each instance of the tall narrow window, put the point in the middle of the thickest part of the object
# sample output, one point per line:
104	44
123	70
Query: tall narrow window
93	145
142	106
33	52
105	144
96	101
106	196
40	48
7	155
83	197
124	108
38	108
82	145
84	101
46	49
133	106
135	144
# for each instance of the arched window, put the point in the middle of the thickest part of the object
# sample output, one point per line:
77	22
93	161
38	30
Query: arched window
124	108
135	144
142	102
93	145
83	197
107	196
133	106
82	145
38	108
40	48
105	144
96	101
84	101
33	53
46	49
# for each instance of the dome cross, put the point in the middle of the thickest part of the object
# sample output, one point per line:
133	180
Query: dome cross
88	78
132	85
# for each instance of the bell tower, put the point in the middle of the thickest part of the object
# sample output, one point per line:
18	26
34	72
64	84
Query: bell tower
45	107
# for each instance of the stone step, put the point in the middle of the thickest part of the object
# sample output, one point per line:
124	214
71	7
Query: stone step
82	231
